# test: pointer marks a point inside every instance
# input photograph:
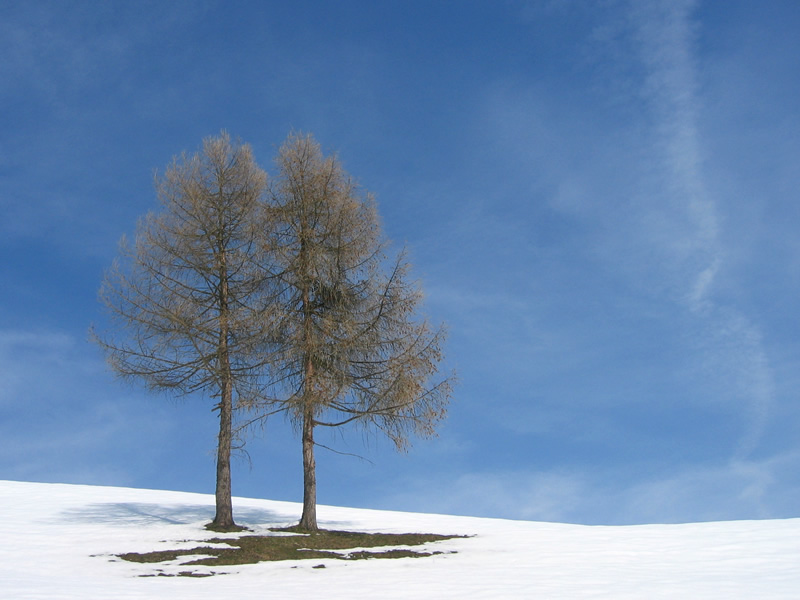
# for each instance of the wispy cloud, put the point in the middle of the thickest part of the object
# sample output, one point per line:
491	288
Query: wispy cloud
649	218
35	364
666	34
758	489
543	496
733	490
58	422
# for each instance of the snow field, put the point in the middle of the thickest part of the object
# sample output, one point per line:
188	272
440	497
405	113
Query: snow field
59	542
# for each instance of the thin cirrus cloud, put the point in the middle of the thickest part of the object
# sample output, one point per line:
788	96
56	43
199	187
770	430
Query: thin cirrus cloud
663	235
666	36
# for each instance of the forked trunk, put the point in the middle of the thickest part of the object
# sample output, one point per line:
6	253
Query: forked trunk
308	520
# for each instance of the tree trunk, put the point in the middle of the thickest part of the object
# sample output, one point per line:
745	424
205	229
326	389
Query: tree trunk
308	520
224	516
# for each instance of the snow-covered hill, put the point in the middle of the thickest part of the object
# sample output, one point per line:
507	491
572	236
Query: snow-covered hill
59	541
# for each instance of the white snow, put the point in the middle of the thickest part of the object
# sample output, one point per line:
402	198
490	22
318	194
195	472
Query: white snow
59	541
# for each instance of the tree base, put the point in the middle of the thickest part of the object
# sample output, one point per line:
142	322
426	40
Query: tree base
232	528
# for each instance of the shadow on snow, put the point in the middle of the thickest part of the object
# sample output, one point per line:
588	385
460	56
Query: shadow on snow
140	513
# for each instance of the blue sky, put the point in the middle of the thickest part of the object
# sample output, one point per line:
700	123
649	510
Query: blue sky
599	200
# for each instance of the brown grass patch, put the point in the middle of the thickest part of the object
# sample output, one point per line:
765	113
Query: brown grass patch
249	549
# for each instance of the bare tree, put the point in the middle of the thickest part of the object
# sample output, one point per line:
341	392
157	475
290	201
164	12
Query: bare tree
188	296
351	346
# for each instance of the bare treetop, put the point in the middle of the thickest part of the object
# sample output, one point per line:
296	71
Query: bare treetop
188	295
352	347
